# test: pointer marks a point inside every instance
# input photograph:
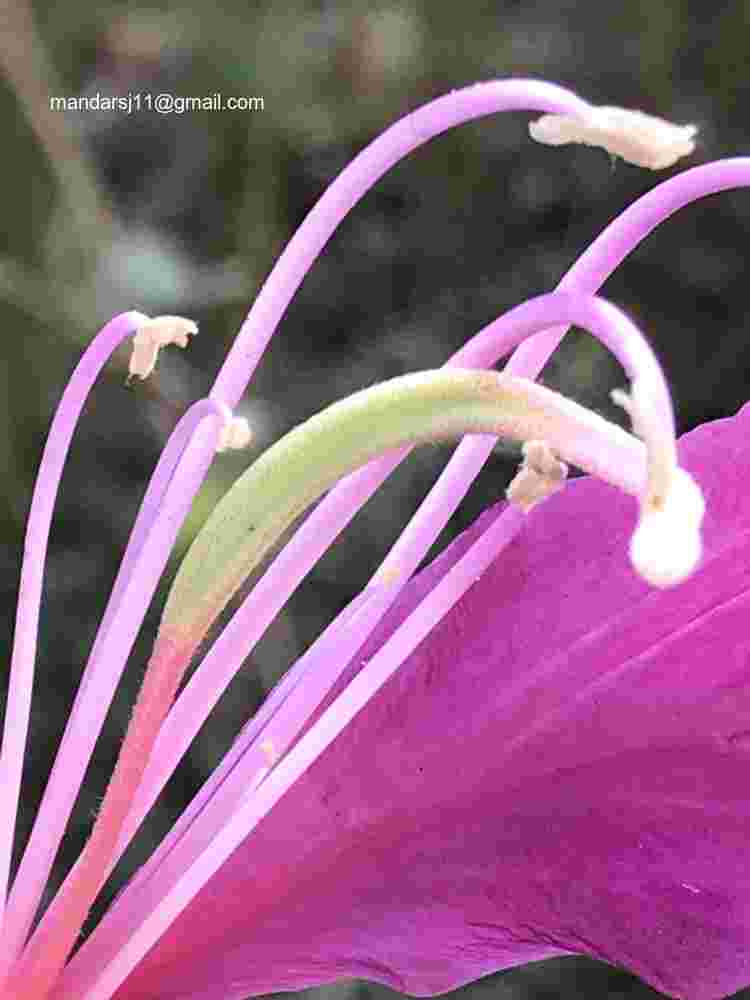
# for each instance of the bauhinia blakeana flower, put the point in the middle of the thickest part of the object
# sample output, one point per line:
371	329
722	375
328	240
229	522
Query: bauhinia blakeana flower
535	746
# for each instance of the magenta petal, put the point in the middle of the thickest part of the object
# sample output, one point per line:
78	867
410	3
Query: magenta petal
562	767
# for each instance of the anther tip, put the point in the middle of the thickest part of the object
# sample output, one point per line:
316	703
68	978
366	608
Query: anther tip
638	138
152	335
235	434
666	546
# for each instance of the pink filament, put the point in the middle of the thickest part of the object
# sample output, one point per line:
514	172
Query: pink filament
30	592
51	942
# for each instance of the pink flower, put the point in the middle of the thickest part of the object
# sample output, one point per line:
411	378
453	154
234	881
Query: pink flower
525	750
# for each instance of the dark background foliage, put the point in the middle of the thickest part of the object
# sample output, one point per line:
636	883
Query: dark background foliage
186	214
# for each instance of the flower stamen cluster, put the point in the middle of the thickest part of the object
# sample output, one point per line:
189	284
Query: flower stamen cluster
342	455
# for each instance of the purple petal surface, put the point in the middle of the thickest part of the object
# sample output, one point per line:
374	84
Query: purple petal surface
562	767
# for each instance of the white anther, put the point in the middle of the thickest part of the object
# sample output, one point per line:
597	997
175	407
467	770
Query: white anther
269	750
541	475
153	335
666	546
235	434
645	140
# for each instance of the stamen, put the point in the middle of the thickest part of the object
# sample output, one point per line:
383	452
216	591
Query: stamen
641	139
152	336
18	706
666	546
540	476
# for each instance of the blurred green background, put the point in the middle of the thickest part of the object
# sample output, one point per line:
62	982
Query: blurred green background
105	211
